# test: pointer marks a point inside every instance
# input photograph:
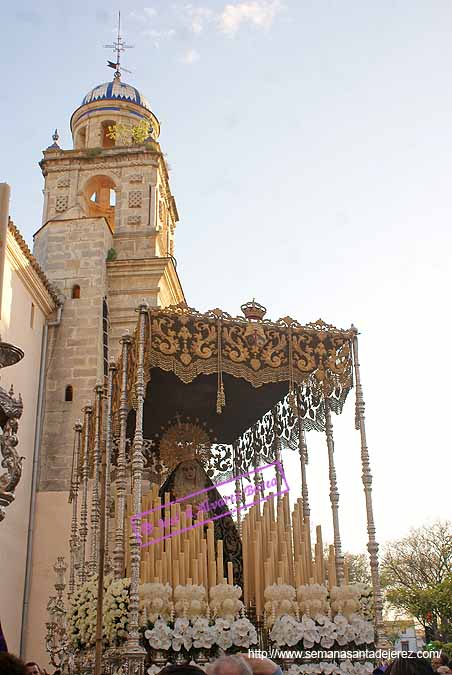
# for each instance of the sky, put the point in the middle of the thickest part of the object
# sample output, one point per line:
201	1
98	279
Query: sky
310	146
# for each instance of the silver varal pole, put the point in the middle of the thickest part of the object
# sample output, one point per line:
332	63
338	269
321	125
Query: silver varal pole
121	479
88	411
103	520
136	653
303	452
237	484
73	497
107	479
334	495
372	545
277	445
98	389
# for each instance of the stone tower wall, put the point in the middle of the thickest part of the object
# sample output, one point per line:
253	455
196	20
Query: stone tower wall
72	253
143	226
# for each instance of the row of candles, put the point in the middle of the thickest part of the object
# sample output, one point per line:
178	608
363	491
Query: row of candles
277	549
178	547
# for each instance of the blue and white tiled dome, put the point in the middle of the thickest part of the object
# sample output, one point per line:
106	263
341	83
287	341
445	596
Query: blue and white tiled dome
116	90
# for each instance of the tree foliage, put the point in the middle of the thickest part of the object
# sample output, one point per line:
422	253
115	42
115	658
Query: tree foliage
127	134
358	568
437	646
417	576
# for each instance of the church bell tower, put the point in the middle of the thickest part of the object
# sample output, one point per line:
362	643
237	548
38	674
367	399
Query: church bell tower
112	185
106	242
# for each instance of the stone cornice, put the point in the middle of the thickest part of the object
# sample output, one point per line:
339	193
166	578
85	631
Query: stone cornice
89	165
52	221
24	263
173	281
161	267
91	156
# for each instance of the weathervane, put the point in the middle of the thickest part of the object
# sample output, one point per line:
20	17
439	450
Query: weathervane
118	46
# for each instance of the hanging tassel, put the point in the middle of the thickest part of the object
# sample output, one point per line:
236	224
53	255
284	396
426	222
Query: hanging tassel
221	398
291	396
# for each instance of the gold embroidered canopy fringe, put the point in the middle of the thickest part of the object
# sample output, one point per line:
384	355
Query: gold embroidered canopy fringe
180	340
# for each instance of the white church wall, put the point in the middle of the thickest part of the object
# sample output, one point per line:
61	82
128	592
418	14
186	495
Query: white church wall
22	322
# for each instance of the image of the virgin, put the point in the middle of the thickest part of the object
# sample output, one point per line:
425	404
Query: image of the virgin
188	478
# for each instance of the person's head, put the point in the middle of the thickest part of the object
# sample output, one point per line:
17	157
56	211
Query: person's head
230	665
188	470
184	669
412	666
11	665
440	661
32	668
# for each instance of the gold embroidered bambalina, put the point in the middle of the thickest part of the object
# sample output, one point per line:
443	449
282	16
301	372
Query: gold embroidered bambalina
188	343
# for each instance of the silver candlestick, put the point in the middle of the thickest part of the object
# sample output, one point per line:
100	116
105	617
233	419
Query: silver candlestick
57	642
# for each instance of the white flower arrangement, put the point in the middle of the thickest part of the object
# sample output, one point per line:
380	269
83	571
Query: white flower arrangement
243	633
288	631
327	631
364	630
160	636
190	601
116	611
312	600
345	600
83	611
310	632
201	633
182	635
204	635
225	601
155	602
345	633
280	600
81	624
221	623
224	637
366	601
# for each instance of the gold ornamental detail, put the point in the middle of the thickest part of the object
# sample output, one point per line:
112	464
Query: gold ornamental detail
181	340
184	441
189	344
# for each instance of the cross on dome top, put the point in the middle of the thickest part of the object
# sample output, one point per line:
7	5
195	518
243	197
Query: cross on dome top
118	47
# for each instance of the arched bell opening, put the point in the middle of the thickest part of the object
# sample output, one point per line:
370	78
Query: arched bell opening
100	198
